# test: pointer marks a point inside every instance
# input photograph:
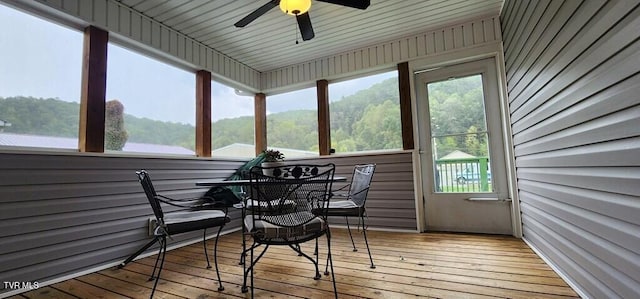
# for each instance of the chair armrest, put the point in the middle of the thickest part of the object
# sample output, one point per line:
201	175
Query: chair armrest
339	195
346	194
210	206
342	188
340	191
197	203
179	199
174	202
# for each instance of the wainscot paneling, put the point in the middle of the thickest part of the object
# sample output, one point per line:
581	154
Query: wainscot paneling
391	199
573	80
63	214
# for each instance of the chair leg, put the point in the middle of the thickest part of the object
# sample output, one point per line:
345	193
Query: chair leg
246	270
317	259
244	242
364	232
253	263
243	262
297	249
251	269
315	252
350	236
163	251
204	244
215	259
244	253
155	266
326	267
330	259
140	251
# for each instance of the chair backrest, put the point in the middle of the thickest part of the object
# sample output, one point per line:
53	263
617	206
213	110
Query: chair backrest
147	185
290	195
360	183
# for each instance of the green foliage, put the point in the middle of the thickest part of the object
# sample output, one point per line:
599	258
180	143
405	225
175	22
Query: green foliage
379	127
293	129
53	117
49	117
456	105
232	130
144	130
457	116
115	135
271	155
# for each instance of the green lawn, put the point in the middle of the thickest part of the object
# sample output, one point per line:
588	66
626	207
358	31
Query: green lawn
464	188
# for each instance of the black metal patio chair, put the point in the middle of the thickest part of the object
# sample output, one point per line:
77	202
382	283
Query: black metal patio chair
284	211
196	216
352	202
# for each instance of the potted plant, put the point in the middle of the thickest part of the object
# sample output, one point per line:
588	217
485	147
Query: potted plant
272	158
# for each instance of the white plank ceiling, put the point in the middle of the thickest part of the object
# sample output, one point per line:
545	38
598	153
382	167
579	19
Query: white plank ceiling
269	42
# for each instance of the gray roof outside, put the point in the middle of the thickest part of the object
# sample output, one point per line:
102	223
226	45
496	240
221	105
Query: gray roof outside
10	139
457	154
249	151
232	150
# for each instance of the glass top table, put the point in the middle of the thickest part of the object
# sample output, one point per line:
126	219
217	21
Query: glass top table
225	182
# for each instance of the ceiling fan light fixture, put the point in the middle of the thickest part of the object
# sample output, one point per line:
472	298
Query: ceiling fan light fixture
295	7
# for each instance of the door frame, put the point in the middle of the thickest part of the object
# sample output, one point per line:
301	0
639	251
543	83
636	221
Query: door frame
489	50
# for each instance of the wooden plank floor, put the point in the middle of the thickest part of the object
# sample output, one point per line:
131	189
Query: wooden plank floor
427	265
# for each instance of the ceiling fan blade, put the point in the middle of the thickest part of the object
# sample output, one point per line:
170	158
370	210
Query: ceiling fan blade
304	22
360	4
256	13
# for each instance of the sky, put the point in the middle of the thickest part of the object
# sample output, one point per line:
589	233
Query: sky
44	60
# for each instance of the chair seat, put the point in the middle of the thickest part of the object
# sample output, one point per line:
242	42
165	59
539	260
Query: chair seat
274	206
265	229
179	222
344	208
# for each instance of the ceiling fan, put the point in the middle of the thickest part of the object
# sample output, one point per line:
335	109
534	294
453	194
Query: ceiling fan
299	9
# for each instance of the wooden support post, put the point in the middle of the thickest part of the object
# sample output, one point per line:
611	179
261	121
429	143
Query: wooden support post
93	91
260	108
203	113
324	126
405	105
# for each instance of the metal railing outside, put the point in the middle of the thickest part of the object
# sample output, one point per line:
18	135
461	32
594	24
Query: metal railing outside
463	175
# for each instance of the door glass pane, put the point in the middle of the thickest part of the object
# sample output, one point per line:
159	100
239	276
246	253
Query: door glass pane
459	135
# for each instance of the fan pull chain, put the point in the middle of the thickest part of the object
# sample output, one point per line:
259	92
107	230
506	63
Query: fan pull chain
296	32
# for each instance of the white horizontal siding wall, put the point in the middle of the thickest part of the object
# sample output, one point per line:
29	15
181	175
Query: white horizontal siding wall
137	30
64	214
385	54
573	77
391	203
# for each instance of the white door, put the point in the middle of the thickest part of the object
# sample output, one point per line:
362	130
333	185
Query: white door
462	149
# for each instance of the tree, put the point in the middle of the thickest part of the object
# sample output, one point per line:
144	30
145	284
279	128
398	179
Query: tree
115	136
476	143
379	127
457	116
